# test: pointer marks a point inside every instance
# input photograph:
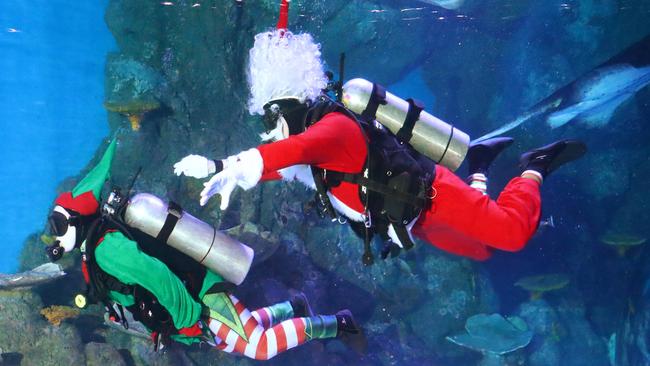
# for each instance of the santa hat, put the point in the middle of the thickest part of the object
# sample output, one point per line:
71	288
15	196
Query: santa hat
283	19
284	65
84	198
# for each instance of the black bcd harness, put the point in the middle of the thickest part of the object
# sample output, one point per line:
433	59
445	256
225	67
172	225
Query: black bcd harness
395	184
146	308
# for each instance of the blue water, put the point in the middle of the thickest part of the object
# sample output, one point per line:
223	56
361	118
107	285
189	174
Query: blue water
51	114
478	68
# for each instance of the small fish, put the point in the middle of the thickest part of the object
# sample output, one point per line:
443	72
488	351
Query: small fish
548	222
39	275
545	224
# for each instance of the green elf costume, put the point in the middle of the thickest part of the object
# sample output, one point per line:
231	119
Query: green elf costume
171	294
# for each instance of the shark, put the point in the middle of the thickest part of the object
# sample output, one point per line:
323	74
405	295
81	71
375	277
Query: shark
594	97
447	4
37	276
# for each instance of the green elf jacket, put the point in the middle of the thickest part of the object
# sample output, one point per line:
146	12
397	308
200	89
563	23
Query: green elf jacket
122	258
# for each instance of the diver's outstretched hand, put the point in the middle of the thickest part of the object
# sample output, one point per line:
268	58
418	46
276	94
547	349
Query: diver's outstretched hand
222	183
243	170
195	166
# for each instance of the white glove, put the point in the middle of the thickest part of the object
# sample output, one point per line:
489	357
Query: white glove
196	166
243	170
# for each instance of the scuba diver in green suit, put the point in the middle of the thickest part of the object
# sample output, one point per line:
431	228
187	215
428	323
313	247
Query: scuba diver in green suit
174	296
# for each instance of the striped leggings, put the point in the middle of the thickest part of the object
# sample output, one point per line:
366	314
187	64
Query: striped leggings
270	330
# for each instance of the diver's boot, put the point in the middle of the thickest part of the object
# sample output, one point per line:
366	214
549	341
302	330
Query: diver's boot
544	160
300	305
481	154
349	332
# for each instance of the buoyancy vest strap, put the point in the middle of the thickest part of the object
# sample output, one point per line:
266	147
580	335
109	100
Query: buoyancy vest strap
367	258
403	236
321	192
416	201
221	287
413	115
377	97
174	213
451	136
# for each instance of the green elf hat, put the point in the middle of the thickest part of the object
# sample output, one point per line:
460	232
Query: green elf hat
84	198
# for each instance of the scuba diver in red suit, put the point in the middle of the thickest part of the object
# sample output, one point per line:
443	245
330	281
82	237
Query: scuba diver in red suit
380	184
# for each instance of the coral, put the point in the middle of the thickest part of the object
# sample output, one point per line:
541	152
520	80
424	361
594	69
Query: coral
131	88
55	314
134	110
132	107
538	285
493	334
622	242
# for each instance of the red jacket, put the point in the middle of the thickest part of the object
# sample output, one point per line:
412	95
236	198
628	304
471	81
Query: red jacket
461	220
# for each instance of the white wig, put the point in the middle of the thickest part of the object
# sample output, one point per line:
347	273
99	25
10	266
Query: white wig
283	64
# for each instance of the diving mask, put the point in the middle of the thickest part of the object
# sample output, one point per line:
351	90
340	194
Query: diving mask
283	117
63	226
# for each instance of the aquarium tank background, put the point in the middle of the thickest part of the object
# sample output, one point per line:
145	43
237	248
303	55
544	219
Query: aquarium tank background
168	78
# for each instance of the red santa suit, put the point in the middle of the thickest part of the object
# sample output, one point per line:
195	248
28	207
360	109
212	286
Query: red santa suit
460	220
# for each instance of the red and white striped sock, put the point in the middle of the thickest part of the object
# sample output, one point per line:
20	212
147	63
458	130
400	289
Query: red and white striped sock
265	343
273	314
478	181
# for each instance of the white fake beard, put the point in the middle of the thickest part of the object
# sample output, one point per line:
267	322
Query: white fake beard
280	132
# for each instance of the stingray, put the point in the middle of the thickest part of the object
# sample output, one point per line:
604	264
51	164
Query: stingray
593	97
39	275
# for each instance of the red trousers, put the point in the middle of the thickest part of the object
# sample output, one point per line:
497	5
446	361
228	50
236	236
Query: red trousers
466	222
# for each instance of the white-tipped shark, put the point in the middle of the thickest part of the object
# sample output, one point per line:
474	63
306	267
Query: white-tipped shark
594	97
447	4
37	276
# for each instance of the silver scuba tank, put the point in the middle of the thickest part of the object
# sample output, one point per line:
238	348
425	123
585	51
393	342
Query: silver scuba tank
430	136
211	248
